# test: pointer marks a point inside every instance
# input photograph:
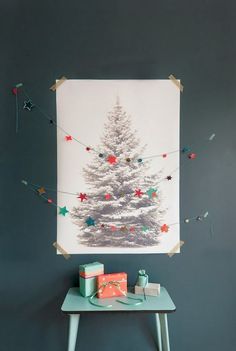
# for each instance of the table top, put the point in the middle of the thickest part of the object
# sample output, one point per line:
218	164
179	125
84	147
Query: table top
75	303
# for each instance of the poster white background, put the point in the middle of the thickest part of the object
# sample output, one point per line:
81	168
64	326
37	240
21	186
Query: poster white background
82	107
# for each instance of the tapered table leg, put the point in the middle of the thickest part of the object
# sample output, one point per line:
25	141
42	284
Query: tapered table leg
73	330
158	327
164	332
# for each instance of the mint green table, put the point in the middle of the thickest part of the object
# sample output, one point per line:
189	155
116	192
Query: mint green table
74	305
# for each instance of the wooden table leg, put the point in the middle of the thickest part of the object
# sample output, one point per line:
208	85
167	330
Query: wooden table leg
73	329
164	332
158	327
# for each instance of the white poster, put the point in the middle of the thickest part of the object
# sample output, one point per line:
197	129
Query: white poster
118	166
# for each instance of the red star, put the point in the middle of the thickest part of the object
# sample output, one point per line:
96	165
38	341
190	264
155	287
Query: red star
14	91
107	196
192	156
132	229
112	159
164	228
68	137
164	155
113	228
50	201
138	192
88	148
82	197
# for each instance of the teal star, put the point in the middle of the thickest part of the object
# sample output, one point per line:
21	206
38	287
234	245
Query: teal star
63	210
152	193
90	221
145	228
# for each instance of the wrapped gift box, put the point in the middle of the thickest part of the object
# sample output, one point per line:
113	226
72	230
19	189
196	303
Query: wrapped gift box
91	269
151	289
88	277
112	285
87	286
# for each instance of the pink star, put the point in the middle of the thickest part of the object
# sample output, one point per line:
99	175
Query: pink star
192	156
132	229
107	196
112	159
68	137
113	228
138	193
164	228
82	197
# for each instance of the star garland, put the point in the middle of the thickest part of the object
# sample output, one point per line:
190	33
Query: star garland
29	105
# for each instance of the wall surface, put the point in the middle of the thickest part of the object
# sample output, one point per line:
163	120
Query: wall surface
195	41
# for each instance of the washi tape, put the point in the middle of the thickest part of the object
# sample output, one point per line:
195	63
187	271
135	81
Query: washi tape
176	82
62	251
175	248
58	83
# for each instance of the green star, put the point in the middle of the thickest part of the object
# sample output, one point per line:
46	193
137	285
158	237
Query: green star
90	221
63	210
145	228
152	193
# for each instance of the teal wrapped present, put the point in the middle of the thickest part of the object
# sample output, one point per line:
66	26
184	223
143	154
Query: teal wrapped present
88	277
91	269
87	286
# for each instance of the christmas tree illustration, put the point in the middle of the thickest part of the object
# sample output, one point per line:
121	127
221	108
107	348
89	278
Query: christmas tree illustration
123	205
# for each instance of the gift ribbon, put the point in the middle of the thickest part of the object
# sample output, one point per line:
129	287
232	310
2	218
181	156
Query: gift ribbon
142	280
115	283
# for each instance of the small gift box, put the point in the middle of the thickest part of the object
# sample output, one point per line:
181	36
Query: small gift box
91	269
88	277
112	285
151	289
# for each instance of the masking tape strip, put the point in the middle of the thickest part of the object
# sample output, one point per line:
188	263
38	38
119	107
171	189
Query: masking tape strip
62	251
175	248
58	83
176	82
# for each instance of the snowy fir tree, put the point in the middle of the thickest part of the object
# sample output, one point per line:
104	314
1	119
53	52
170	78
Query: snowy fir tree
123	205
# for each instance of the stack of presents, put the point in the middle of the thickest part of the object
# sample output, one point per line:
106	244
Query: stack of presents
93	282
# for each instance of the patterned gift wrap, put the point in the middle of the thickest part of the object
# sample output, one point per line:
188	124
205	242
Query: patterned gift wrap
112	285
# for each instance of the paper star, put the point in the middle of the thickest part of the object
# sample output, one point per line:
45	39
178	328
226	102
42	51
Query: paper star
151	193
49	201
41	191
63	210
169	177
187	220
140	160
138	193
68	137
132	229
14	91
100	155
144	228
113	228
102	225
164	228
112	159
128	159
90	221
28	105
107	196
164	155
192	156
185	149
82	197
88	148
123	229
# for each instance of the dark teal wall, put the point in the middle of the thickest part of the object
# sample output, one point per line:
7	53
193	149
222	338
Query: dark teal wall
195	41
